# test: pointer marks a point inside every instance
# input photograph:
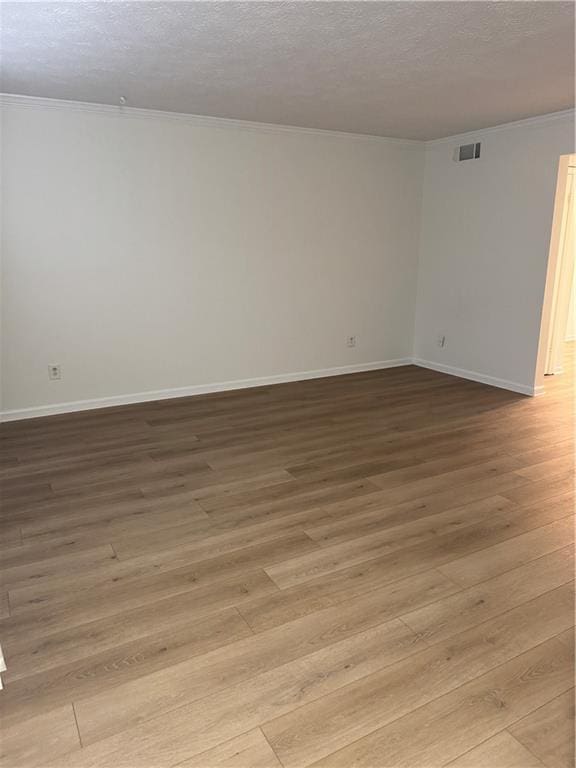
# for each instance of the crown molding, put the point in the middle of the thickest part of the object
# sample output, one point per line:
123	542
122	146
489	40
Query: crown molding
199	121
549	117
206	121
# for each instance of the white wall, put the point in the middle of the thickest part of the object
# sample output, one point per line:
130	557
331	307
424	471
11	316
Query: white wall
484	249
144	254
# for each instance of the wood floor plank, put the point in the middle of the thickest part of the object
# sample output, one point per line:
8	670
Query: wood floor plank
250	750
143	470
377	505
251	512
61	565
147	579
311	565
112	518
202	725
542	490
348	714
433	734
33	644
418	528
218	483
536	456
161	551
547	469
112	710
93	505
417	468
374	515
36	741
501	557
29	557
137	522
500	751
10	536
549	732
105	670
4	605
343	584
413	489
455	613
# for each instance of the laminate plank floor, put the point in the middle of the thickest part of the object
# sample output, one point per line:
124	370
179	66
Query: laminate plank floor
370	570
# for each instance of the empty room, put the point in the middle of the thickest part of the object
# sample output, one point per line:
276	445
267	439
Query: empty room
287	384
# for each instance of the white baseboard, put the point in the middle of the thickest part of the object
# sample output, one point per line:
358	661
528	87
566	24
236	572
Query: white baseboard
481	378
203	389
200	389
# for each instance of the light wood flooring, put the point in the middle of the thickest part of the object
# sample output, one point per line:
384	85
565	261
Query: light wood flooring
372	570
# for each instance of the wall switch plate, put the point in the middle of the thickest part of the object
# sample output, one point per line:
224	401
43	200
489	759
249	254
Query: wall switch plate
351	341
54	372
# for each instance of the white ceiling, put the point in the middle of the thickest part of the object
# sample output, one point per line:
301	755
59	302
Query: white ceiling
416	70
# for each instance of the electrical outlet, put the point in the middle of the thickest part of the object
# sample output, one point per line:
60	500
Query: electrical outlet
441	340
54	372
351	341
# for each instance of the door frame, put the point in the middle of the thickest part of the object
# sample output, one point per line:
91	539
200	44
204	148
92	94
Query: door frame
559	272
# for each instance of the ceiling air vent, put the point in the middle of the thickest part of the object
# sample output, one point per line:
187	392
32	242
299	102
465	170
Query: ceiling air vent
467	152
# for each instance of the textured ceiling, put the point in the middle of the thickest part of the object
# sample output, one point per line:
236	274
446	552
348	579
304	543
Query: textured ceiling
416	70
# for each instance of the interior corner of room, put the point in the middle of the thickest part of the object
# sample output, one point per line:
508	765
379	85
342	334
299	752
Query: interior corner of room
151	255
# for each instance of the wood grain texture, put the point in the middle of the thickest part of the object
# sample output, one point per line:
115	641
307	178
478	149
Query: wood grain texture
450	615
370	570
151	695
203	724
502	557
108	671
549	732
251	750
473	712
35	741
345	715
502	749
